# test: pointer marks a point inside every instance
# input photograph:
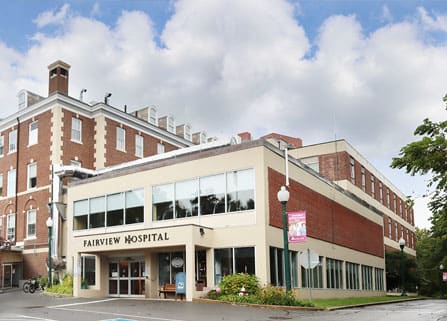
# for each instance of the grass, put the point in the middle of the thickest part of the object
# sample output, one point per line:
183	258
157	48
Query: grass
331	303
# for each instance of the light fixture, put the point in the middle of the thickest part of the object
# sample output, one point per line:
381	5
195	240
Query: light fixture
202	231
283	197
49	223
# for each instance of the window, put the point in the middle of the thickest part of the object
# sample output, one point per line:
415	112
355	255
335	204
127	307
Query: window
31	224
153	116
212	194
352	276
367	281
32	175
11	227
135	206
381	192
1	185
163	202
233	260
80	215
12	141
160	148
188	135
11	189
88	269
394	203
33	133
2	145
166	269
352	169
97	212
76	130
313	276
277	267
121	139
115	209
379	279
186	200
363	179
312	162
240	190
373	187
396	230
390	229
388	197
202	138
171	124
400	208
334	273
138	145
1	226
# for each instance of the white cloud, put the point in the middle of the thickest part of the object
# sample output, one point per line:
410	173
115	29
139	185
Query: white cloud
96	9
233	66
386	14
433	21
52	18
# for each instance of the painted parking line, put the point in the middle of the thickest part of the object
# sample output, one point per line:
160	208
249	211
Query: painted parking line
80	303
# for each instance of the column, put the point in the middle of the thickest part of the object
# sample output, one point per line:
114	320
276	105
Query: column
190	270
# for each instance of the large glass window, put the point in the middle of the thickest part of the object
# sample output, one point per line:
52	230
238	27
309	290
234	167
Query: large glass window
163	202
115	209
33	133
11	189
31	224
76	130
11	227
120	139
97	212
212	194
233	260
12	141
88	269
80	215
352	276
135	206
334	273
379	279
367	281
276	266
169	264
32	175
240	190
186	199
313	276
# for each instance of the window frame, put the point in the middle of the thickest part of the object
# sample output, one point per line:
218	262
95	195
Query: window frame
31	179
12	141
11	183
83	270
9	218
352	169
33	223
139	146
2	145
33	133
160	148
76	122
120	139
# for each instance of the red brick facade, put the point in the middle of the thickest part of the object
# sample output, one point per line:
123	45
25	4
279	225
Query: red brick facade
326	219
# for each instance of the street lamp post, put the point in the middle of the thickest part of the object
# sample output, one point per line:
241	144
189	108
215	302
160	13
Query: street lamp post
50	263
283	197
441	268
402	271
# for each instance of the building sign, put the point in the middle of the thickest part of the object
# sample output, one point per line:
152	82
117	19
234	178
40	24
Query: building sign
126	240
297	226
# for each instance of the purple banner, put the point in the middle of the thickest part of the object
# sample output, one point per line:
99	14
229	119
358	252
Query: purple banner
297	226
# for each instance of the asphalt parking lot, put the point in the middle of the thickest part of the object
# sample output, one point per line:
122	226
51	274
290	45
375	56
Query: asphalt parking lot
18	306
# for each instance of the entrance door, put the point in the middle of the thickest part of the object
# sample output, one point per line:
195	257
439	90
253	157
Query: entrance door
126	278
7	276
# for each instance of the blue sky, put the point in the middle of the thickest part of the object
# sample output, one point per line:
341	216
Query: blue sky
365	71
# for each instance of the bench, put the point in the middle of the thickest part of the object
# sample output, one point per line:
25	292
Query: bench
167	288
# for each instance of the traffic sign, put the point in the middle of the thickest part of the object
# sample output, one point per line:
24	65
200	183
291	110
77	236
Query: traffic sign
309	259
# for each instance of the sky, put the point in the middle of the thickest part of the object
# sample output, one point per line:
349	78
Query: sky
365	71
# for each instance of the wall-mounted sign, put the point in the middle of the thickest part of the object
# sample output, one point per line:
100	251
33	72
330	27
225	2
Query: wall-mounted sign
128	239
297	226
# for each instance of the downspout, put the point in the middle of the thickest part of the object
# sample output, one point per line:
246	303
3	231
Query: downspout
17	177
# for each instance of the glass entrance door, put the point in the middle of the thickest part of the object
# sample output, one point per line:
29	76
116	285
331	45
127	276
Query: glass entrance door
126	278
7	276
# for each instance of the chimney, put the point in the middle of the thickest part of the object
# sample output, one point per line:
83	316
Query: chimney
58	77
245	136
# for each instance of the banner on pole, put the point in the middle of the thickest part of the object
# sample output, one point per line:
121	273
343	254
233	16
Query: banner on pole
444	276
297	226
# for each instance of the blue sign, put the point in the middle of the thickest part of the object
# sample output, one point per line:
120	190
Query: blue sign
180	283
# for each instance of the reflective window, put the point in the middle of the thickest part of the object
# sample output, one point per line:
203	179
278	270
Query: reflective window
33	133
120	139
80	215
334	276
115	209
313	276
240	190
76	130
352	276
32	175
163	202
11	188
212	194
379	279
88	269
135	206
367	281
186	199
12	141
139	145
97	212
11	227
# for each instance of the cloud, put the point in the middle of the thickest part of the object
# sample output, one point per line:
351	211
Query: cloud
52	18
386	14
432	21
96	9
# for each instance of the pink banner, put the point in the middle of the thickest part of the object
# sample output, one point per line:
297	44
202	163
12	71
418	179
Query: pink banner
297	226
444	276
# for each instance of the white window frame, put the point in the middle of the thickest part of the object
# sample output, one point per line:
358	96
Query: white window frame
170	124
33	133
2	145
139	146
11	187
153	116
363	173
10	224
31	174
1	185
31	217
12	141
75	163
160	148
76	130
120	139
187	134
352	169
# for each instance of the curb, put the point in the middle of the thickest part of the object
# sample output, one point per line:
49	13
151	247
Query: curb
371	304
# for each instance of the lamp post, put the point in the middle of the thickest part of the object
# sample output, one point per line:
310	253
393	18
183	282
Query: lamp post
283	197
402	271
441	268
50	263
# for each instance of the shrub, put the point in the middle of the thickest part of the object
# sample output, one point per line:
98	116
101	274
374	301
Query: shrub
277	296
43	281
232	284
213	295
65	287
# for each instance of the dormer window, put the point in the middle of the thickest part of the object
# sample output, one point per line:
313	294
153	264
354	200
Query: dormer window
202	138
171	124
53	73
153	116
22	99
63	72
188	135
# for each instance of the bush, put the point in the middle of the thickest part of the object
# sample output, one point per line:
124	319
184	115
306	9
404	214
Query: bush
232	284
277	296
43	281
65	287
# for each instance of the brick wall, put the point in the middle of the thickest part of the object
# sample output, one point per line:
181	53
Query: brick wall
34	264
326	219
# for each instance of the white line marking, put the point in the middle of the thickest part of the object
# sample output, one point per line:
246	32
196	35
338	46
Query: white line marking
120	315
36	318
80	303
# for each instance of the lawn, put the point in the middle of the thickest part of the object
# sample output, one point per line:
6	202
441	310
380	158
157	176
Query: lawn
331	303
